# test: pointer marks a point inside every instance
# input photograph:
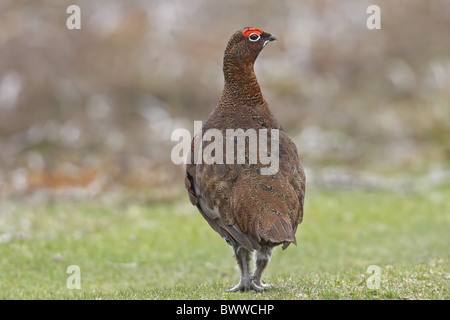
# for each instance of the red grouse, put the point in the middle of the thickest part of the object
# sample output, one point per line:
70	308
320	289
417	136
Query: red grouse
252	209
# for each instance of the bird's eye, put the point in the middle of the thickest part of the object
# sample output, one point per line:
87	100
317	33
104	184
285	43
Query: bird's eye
254	37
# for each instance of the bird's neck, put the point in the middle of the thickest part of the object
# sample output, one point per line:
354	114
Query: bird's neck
241	85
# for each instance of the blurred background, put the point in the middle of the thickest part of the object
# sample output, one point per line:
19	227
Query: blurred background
89	113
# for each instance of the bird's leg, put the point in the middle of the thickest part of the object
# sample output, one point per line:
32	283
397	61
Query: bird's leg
262	259
242	256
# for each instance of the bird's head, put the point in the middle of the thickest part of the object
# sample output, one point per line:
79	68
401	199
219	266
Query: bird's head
245	44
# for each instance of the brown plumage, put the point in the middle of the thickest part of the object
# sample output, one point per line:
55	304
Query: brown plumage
251	211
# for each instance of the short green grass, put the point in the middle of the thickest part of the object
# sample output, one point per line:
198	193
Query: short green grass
167	251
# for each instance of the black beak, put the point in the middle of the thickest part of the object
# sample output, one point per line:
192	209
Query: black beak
267	40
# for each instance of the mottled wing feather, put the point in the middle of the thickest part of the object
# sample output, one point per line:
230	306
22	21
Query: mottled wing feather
239	203
221	222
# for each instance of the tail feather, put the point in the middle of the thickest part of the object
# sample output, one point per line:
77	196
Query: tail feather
275	230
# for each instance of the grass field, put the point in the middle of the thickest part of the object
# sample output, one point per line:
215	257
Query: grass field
126	250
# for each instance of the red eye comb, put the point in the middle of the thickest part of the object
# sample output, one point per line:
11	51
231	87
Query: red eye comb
249	31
